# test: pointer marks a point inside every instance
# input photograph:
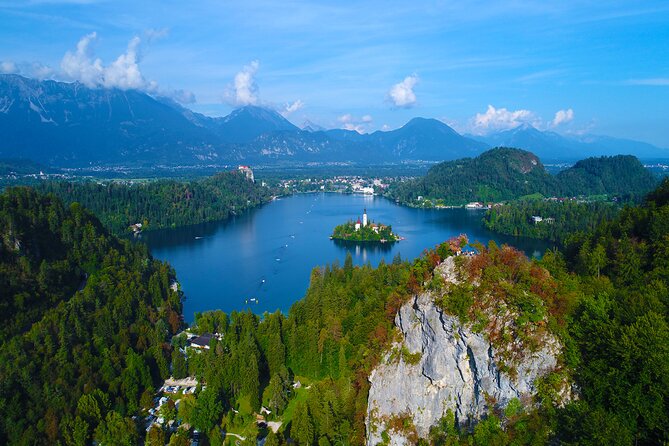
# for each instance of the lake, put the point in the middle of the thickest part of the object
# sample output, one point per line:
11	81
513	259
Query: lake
267	253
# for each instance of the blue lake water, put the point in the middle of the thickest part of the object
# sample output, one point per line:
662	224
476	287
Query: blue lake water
268	253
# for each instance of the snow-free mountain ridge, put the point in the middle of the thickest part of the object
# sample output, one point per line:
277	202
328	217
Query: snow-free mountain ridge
69	124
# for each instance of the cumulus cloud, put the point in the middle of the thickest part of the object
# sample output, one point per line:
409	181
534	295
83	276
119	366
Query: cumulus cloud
244	90
360	125
563	117
81	65
8	67
292	108
124	73
402	94
496	119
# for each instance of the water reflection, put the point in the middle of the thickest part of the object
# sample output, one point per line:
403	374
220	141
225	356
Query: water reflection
364	250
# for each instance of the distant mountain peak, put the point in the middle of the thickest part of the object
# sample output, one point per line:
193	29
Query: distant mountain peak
256	112
428	124
310	126
246	123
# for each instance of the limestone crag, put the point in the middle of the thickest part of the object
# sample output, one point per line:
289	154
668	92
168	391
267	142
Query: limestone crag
457	369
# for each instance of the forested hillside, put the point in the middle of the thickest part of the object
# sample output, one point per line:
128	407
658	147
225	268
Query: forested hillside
505	174
164	203
85	318
559	219
496	175
622	175
621	328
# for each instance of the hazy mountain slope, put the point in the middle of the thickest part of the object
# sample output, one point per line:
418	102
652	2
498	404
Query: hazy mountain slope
70	124
549	145
426	139
247	123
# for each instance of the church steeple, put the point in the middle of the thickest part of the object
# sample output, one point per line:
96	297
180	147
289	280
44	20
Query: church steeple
364	218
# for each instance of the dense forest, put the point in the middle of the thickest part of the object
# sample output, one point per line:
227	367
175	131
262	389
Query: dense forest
85	320
621	175
162	203
559	219
621	327
504	174
496	175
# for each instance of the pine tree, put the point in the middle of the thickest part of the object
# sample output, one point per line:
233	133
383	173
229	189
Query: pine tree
302	427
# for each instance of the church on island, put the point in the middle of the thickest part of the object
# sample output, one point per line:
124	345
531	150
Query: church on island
359	225
364	231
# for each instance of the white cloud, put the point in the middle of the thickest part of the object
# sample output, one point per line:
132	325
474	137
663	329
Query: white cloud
496	119
402	94
153	34
82	65
655	82
245	90
563	117
182	96
8	67
124	73
360	125
292	108
40	71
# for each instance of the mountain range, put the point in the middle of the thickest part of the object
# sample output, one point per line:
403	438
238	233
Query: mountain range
552	146
68	124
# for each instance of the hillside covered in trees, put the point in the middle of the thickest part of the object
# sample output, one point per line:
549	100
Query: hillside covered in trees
504	174
85	318
495	175
559	219
162	203
622	175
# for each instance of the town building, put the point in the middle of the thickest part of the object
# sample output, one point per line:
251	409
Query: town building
246	170
201	341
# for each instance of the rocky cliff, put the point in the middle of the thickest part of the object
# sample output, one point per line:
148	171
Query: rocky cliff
439	364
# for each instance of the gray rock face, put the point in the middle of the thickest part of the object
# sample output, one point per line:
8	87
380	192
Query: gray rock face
458	370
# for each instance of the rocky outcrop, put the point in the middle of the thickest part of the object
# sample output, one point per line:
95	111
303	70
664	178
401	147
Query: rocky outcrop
439	365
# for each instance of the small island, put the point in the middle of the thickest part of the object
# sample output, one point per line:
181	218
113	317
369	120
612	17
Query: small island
364	231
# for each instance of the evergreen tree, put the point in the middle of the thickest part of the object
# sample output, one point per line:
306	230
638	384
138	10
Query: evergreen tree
302	427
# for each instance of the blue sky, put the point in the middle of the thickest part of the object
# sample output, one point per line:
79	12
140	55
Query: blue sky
569	66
